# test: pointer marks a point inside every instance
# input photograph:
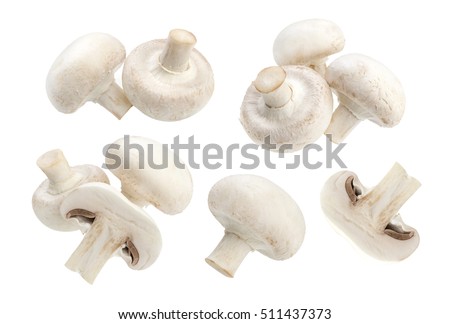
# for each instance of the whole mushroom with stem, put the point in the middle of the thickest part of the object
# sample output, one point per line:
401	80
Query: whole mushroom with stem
292	105
168	79
150	173
116	225
257	215
84	72
370	217
308	42
366	89
62	178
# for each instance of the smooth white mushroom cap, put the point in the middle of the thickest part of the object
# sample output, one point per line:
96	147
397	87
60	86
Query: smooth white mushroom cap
169	188
173	91
367	88
358	221
122	220
84	71
304	112
61	180
260	213
308	42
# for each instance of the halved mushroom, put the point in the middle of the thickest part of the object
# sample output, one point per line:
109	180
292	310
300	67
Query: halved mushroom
257	215
84	72
292	105
150	173
168	79
61	180
366	90
370	217
117	225
308	42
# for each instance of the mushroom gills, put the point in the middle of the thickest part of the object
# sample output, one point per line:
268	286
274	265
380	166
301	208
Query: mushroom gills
130	250
353	191
82	216
396	230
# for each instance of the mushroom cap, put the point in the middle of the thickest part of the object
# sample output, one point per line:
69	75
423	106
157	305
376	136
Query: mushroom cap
168	187
84	71
124	218
354	224
308	41
260	213
367	88
301	121
46	204
162	94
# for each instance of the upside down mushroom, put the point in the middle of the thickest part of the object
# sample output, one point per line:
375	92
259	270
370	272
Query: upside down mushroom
290	105
168	79
62	178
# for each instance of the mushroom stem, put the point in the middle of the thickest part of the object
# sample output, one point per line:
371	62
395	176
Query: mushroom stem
388	196
228	254
61	176
270	82
97	246
342	123
319	66
176	53
115	101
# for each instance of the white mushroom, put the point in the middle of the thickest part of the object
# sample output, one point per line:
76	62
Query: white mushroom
84	72
150	173
369	217
291	104
117	224
257	215
168	79
366	90
308	42
61	180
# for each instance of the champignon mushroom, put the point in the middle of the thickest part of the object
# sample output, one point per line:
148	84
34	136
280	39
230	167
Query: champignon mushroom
168	79
84	72
366	90
369	217
150	173
290	104
61	180
257	215
308	42
116	224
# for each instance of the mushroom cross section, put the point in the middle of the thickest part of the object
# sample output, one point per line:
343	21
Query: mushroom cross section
168	79
84	72
117	225
150	174
292	105
370	217
366	89
257	215
62	178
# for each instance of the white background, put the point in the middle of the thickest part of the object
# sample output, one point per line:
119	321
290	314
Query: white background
327	272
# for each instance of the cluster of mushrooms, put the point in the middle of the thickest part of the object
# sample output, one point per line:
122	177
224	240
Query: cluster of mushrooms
290	103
